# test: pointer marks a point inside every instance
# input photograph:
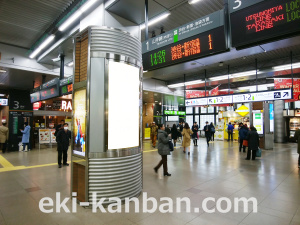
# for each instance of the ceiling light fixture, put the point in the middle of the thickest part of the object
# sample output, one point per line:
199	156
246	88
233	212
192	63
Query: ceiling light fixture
76	15
42	46
193	1
259	86
2	71
286	67
70	64
244	74
225	77
155	20
186	83
56	59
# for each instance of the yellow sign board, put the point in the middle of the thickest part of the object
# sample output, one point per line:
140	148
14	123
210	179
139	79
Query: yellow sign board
147	133
243	110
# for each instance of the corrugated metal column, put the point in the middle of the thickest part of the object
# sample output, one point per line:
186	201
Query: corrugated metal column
279	128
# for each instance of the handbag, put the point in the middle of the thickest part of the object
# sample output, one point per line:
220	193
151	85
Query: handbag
245	143
171	146
258	152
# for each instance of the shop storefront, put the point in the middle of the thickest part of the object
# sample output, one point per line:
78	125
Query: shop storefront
54	105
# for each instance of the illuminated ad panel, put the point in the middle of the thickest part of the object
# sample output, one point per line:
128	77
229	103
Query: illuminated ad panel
196	39
264	21
79	135
123	106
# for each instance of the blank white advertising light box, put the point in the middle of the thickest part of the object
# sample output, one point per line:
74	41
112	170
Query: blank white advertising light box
123	106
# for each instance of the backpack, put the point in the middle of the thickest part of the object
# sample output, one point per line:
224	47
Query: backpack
213	129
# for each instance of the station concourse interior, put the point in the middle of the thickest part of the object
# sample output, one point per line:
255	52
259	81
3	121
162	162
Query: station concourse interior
95	95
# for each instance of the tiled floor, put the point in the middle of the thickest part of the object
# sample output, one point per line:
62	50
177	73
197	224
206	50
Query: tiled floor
217	171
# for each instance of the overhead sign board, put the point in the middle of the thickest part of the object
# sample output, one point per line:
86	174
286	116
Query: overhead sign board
264	21
219	100
283	94
196	39
263	96
3	101
66	81
174	113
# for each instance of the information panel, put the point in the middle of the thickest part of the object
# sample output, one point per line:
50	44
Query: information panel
67	89
283	94
50	92
263	96
265	21
35	97
258	122
198	46
174	113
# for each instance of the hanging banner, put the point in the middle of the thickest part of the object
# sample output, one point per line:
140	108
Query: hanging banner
196	94
214	92
280	83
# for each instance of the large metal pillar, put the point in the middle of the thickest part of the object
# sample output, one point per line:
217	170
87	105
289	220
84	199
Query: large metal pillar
279	127
110	76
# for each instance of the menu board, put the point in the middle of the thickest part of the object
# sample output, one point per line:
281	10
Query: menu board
263	22
79	135
44	136
53	137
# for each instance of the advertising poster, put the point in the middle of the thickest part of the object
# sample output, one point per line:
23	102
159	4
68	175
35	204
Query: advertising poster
44	136
53	138
281	83
79	122
258	122
271	112
147	133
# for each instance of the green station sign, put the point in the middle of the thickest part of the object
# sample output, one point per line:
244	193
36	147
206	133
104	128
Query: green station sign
174	113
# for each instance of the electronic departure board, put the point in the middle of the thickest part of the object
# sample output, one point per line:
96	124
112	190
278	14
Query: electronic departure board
265	21
49	92
197	46
67	89
35	97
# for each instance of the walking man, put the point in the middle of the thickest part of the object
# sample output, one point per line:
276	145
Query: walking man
207	133
230	131
63	138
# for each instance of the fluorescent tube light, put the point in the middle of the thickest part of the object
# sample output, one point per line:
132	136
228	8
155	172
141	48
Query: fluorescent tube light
156	19
76	15
56	59
225	77
2	71
286	67
42	46
193	1
259	86
70	64
186	83
244	74
194	82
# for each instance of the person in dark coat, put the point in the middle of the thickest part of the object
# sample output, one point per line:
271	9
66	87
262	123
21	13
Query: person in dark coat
163	149
168	130
230	131
59	127
253	143
174	134
243	132
207	132
63	138
212	131
195	129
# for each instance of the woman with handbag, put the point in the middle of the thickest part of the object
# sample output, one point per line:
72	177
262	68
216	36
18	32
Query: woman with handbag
163	149
243	132
174	134
253	143
186	133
